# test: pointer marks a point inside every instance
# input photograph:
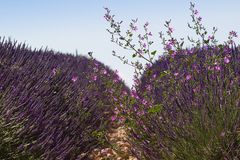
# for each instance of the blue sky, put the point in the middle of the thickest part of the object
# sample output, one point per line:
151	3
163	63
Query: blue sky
79	24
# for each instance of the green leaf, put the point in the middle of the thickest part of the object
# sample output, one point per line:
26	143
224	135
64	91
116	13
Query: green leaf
181	44
221	47
134	55
170	52
153	52
130	123
149	72
155	109
164	73
206	41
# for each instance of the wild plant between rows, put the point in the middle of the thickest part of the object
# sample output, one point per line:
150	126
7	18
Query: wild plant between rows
185	103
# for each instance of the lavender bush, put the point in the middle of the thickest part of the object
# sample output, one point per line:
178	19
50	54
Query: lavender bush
52	105
186	104
195	109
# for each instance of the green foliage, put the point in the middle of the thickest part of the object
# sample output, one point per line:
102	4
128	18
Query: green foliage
155	109
9	140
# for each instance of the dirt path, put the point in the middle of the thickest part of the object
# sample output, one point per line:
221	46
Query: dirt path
118	138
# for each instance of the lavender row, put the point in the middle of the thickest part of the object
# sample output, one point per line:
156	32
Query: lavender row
53	105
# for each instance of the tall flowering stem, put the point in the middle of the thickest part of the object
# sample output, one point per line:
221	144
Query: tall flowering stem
185	104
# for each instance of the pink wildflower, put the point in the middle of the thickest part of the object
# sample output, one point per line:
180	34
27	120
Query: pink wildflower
168	47
149	87
210	68
196	89
196	12
134	28
146	24
140	113
54	71
134	94
121	119
111	91
173	54
144	45
124	93
115	80
154	76
144	101
199	19
94	78
176	74
104	72
222	134
188	77
74	78
226	60
210	37
218	68
233	33
172	42
113	118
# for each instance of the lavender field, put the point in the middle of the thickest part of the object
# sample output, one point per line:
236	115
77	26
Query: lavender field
184	103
